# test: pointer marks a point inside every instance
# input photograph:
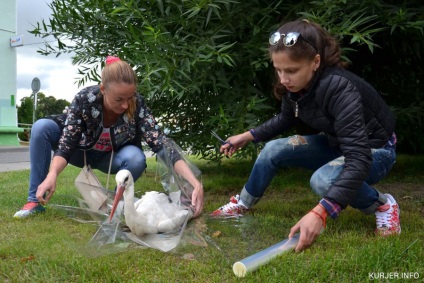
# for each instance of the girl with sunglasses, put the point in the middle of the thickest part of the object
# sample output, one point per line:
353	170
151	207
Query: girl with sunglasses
354	147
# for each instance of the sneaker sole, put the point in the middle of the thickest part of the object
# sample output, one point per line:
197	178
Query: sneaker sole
36	211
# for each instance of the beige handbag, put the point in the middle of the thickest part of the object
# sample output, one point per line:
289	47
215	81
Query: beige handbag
90	187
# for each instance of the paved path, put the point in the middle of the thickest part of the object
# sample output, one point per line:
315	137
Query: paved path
14	158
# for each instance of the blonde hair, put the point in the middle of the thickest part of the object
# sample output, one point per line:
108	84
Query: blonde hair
120	72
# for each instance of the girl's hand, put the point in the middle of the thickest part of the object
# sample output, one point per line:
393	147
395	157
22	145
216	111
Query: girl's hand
236	142
310	227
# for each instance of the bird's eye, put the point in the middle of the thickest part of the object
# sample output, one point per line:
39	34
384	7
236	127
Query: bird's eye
126	179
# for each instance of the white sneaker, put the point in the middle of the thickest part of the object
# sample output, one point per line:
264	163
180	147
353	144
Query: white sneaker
28	209
232	209
387	216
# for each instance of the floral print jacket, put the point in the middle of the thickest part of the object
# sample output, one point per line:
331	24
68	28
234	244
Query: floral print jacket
83	125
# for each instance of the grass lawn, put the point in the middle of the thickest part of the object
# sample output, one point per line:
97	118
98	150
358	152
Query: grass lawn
51	247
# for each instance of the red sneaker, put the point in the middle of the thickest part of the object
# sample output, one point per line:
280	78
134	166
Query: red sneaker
28	209
388	222
232	209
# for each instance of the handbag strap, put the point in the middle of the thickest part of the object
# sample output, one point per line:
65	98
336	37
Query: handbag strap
110	167
108	173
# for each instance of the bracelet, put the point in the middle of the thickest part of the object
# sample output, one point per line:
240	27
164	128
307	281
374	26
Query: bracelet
322	216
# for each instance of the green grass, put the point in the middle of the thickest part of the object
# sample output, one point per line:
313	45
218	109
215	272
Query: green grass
51	247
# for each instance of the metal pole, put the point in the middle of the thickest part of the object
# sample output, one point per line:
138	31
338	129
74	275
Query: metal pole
33	109
35	86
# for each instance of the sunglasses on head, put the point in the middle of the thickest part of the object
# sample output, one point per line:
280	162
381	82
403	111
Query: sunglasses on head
289	39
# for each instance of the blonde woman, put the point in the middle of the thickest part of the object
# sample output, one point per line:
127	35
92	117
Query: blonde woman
103	121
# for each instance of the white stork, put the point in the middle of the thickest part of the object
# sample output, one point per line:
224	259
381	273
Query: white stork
154	213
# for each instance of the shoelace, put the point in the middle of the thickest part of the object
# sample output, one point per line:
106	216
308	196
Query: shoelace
383	217
230	204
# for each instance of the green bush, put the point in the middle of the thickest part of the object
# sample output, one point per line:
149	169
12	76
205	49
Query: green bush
203	65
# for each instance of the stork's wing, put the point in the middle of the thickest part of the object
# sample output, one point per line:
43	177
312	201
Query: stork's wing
137	203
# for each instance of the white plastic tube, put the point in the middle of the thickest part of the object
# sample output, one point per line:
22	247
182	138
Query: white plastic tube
250	263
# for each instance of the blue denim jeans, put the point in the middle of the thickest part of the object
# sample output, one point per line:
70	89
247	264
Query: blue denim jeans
45	135
314	152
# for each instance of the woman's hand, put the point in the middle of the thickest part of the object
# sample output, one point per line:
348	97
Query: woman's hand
310	227
197	199
46	189
236	142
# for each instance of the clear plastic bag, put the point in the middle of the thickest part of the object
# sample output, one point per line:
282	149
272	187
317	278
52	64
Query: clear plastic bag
96	204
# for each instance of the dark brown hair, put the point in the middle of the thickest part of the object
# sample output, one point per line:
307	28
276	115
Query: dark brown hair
310	34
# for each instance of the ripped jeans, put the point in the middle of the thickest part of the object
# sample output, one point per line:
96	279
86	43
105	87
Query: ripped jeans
314	152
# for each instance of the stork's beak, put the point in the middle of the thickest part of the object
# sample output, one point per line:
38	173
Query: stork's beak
119	192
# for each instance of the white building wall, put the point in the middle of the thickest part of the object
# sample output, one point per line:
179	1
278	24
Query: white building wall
8	112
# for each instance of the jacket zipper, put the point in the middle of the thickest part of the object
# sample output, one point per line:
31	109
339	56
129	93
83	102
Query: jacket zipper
296	112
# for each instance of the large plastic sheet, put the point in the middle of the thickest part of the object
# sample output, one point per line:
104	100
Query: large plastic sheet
96	202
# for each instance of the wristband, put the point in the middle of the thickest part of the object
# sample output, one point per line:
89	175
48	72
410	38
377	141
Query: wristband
322	216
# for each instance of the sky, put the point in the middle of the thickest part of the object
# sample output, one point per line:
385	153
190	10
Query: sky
57	75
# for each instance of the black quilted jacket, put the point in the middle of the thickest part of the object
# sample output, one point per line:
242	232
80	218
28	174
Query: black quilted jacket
352	115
